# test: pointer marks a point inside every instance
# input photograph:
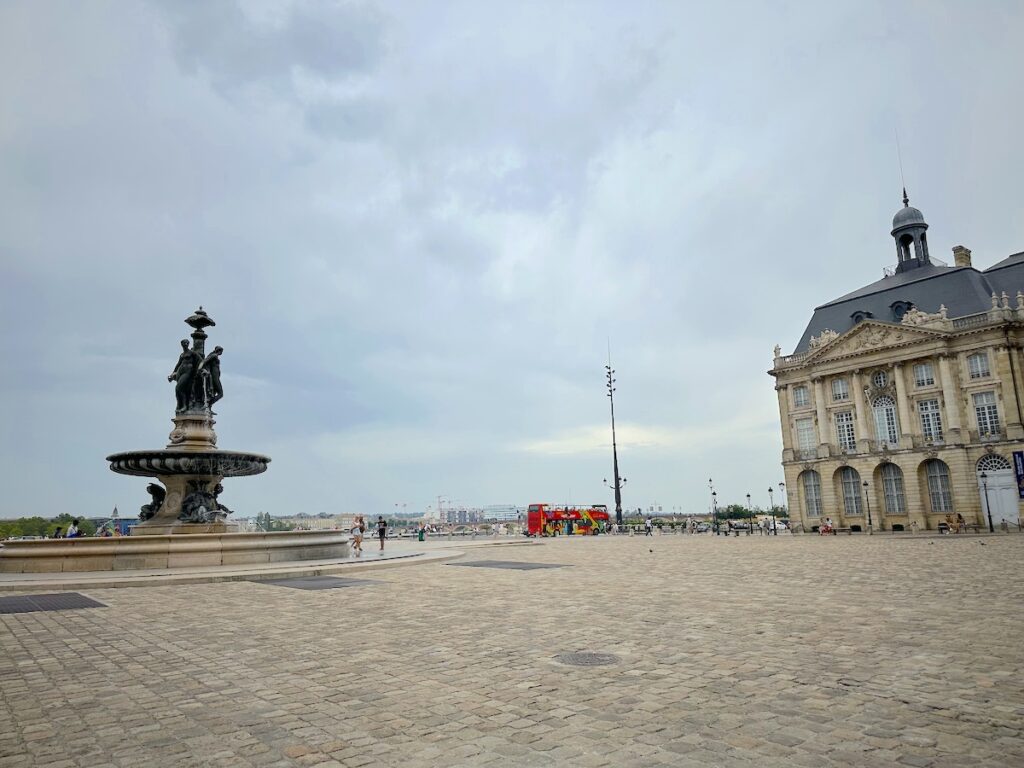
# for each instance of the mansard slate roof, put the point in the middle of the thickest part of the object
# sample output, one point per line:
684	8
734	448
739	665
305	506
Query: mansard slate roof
964	291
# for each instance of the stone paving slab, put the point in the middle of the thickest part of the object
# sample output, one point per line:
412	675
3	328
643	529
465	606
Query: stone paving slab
750	651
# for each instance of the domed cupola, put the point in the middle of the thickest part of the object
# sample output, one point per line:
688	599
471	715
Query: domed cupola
908	229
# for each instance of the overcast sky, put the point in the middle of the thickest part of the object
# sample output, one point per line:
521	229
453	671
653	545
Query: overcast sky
418	226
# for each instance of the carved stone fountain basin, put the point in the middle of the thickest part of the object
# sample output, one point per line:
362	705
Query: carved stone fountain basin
210	463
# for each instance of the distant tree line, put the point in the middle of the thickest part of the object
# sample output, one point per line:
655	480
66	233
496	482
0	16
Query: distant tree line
730	512
41	526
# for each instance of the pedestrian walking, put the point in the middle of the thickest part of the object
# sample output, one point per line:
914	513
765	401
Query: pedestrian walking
648	527
357	536
382	530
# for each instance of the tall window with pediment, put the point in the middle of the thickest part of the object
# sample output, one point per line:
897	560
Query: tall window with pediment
931	420
844	431
986	412
940	492
812	492
886	425
892	488
805	437
850	479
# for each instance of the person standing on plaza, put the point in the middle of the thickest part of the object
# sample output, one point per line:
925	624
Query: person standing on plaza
357	535
648	527
382	530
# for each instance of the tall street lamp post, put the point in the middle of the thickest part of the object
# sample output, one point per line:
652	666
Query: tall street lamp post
785	506
988	507
610	375
867	498
714	513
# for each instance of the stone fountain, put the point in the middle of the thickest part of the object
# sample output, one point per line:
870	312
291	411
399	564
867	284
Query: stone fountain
184	524
191	467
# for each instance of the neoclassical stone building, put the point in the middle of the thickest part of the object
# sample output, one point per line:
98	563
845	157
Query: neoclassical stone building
903	393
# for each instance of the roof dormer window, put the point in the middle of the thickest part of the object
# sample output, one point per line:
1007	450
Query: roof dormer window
899	309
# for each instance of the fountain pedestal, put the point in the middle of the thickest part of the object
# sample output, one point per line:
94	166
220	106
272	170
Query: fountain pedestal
184	525
190	468
193	431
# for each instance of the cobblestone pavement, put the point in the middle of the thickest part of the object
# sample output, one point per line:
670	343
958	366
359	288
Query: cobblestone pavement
787	651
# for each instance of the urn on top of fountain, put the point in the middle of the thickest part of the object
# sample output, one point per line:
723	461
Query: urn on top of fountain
191	468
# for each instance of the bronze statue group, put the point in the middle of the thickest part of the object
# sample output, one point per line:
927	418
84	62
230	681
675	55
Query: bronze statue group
197	379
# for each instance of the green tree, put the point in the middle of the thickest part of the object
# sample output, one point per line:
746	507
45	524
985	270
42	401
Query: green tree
735	512
40	526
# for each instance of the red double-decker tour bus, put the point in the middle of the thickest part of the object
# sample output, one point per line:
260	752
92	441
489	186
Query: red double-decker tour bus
564	520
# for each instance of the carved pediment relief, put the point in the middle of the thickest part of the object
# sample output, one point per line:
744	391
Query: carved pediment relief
826	336
867	337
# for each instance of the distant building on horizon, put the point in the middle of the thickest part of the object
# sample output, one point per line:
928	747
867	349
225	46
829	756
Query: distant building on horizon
902	402
503	513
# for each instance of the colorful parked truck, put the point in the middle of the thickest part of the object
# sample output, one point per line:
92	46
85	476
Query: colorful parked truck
566	520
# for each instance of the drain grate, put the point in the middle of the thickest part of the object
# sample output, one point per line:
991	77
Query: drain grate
509	564
587	659
317	582
60	601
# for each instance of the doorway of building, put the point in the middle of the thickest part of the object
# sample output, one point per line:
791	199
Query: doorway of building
1002	490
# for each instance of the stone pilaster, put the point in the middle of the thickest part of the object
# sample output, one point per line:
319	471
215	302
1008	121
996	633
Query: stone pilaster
903	406
822	414
787	427
1011	395
863	435
951	396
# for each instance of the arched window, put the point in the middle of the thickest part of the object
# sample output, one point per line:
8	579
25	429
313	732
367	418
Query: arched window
812	492
851	491
886	426
992	462
906	243
939	491
892	487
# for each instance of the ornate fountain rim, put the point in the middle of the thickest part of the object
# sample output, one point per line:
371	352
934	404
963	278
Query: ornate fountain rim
163	461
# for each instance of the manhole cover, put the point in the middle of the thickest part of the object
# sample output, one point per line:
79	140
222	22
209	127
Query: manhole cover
317	582
510	564
587	659
61	601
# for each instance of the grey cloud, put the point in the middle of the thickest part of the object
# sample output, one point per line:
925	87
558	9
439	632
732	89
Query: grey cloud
357	119
329	39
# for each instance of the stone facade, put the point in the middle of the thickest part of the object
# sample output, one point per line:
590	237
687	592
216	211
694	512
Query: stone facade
918	405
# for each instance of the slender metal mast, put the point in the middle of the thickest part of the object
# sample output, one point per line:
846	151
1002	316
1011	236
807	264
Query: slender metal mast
610	375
